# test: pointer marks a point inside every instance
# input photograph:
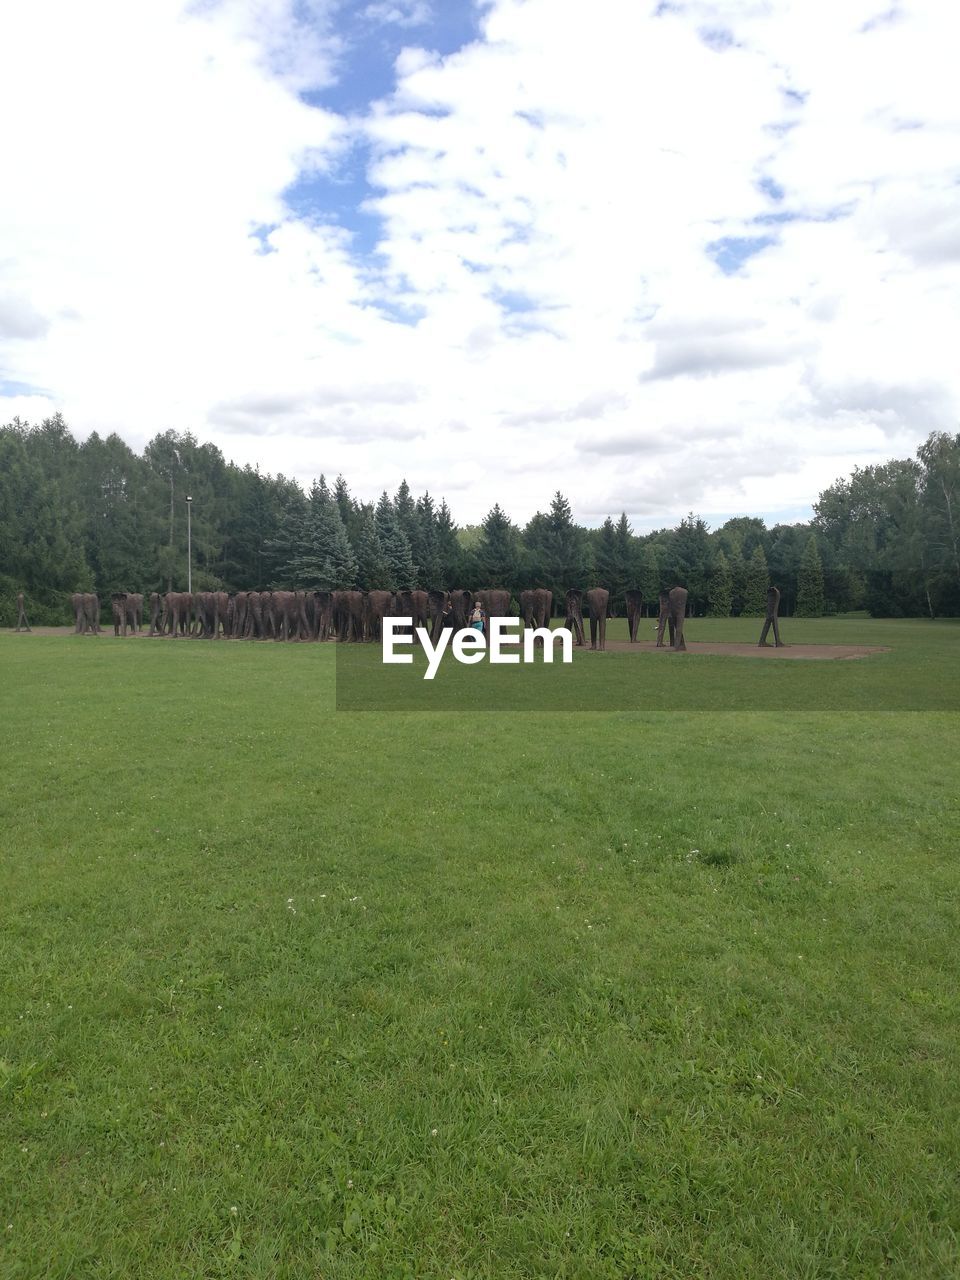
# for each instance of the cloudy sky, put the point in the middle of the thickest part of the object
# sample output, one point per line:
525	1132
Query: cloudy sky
694	254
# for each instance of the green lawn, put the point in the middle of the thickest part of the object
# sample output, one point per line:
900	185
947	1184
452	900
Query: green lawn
919	672
292	992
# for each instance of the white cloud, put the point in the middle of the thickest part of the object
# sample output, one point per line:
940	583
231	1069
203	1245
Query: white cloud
546	195
401	13
20	319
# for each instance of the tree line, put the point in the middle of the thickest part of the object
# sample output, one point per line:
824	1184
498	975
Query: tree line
96	516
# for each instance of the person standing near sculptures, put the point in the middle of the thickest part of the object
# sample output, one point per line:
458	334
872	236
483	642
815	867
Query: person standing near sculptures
771	619
22	623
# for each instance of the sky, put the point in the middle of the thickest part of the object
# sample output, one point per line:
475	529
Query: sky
662	255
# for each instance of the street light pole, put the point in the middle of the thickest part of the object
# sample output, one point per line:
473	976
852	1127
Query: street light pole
189	556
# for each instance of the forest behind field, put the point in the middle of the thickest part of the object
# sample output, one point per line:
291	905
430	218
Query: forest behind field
95	515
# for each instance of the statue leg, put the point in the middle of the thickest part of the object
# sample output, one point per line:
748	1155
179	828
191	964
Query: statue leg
762	643
776	634
678	641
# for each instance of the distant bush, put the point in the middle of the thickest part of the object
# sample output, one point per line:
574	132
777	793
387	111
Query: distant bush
45	609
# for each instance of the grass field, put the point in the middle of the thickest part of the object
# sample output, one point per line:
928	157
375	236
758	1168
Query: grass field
289	992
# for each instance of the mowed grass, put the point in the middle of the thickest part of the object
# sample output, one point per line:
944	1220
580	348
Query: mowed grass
288	992
917	672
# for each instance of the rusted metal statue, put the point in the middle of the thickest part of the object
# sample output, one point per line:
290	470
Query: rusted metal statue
415	605
22	623
673	610
377	605
771	620
598	602
536	607
574	618
134	609
118	607
86	609
156	604
321	613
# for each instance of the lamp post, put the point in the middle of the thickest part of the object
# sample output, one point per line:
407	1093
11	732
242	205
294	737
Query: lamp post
189	556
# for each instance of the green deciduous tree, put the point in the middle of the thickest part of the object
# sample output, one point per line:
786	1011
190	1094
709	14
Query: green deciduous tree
939	497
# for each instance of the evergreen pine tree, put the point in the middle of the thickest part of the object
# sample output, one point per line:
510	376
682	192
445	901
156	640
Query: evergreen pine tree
572	562
498	551
373	572
384	513
610	570
810	601
556	553
338	566
405	510
401	570
324	557
758	580
348	509
449	555
535	563
290	542
738	577
689	560
627	553
399	559
425	549
648	577
720	587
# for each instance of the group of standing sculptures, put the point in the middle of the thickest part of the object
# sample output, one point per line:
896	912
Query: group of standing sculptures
358	615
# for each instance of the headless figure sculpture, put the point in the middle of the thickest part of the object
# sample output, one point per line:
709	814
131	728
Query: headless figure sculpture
773	610
574	618
22	623
673	610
